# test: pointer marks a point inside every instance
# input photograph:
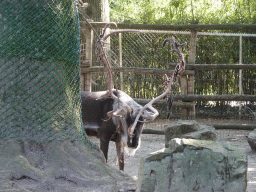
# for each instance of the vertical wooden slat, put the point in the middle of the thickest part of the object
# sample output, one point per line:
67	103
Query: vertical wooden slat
82	81
190	84
183	85
240	70
89	47
184	91
192	48
191	112
82	57
121	61
190	79
240	62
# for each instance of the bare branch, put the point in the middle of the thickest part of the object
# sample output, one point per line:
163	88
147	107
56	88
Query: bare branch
180	67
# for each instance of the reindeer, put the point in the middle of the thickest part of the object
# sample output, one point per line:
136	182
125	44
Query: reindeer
113	115
95	109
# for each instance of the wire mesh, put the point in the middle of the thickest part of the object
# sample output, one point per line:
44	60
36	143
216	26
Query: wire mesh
144	50
39	71
217	49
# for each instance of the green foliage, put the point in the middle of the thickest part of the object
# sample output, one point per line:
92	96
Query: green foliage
147	52
183	11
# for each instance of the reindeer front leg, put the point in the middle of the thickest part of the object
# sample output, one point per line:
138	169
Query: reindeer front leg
105	135
120	152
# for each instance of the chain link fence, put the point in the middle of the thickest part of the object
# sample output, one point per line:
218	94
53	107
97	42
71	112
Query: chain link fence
144	50
39	71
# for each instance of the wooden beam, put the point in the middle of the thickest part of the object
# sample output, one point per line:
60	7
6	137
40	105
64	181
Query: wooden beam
164	102
234	126
216	126
189	68
154	71
217	66
215	97
152	131
174	27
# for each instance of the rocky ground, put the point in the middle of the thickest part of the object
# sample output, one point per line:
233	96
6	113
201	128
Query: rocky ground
151	143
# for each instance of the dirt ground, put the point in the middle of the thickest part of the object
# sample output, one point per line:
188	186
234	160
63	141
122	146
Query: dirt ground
151	143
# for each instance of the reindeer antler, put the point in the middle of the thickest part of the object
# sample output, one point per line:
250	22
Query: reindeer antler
103	58
177	50
180	67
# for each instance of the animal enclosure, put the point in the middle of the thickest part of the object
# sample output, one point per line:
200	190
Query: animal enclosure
220	77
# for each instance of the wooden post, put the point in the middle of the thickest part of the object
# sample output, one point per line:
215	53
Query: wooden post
183	85
192	110
82	58
240	62
89	47
192	48
184	91
121	61
190	78
240	71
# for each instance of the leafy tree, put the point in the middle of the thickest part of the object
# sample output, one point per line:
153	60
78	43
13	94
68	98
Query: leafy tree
183	11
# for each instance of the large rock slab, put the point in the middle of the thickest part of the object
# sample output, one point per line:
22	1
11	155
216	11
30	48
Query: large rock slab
194	165
66	166
189	129
252	139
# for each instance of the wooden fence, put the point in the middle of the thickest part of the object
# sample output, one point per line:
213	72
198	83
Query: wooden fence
187	98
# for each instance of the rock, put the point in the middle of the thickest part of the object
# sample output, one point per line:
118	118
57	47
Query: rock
66	166
252	140
194	165
189	129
